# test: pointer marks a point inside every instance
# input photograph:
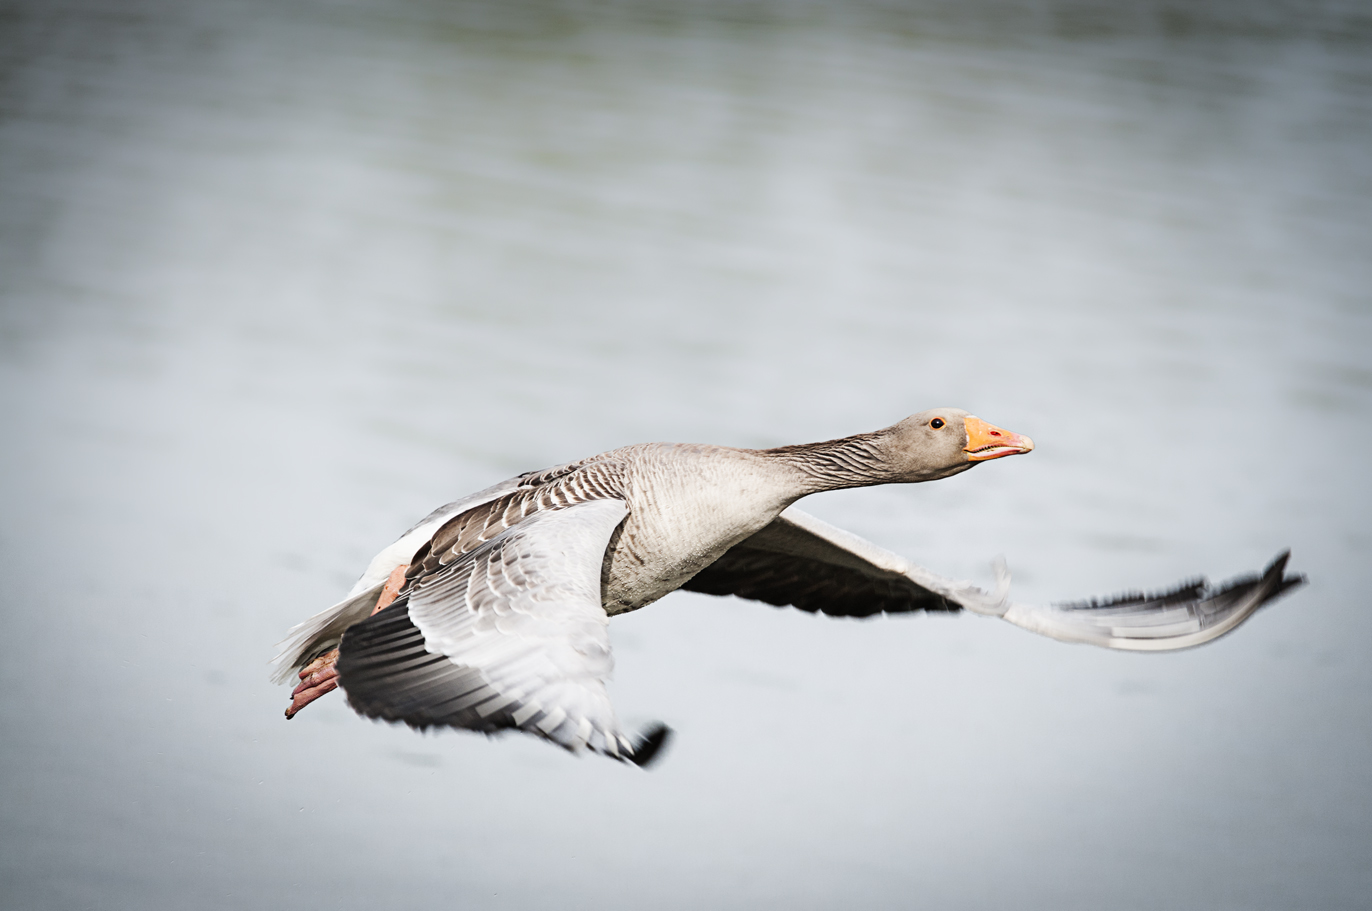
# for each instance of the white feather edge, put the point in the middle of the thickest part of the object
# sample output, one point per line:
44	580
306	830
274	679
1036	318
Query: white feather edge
325	629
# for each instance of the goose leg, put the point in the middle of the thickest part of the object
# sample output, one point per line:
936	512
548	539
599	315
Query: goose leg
320	676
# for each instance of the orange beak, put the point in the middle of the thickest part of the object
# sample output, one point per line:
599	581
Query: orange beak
987	441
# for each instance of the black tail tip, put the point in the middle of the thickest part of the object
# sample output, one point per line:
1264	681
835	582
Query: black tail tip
648	746
1276	571
1278	568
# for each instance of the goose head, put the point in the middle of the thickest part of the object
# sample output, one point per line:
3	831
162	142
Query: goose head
942	442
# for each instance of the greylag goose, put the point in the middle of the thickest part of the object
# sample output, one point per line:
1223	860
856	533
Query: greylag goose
491	613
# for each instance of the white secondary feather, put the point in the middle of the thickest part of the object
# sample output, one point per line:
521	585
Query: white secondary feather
524	609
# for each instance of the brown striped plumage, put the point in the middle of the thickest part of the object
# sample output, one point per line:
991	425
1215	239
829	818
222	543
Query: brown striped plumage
598	478
501	618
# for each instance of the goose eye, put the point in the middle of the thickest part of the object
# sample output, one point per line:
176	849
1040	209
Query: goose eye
936	423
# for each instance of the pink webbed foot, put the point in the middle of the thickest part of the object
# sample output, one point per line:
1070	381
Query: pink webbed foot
320	676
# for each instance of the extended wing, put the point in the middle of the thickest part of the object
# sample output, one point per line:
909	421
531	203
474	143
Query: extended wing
324	630
510	635
801	561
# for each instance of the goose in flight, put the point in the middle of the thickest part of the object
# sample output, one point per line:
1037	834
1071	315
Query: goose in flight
492	612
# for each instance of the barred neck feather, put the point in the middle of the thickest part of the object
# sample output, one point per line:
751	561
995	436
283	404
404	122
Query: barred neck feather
856	461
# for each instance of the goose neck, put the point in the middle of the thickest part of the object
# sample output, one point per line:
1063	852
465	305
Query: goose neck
856	461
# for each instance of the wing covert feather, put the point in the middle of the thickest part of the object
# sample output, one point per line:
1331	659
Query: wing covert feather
510	635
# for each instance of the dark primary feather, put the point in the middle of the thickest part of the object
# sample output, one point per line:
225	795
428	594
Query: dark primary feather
787	564
648	746
812	585
1189	590
1200	590
390	675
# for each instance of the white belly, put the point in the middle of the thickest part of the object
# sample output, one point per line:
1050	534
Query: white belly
690	520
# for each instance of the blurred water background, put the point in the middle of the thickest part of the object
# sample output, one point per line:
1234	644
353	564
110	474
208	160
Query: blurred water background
276	278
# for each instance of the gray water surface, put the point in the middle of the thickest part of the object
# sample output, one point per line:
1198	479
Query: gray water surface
278	278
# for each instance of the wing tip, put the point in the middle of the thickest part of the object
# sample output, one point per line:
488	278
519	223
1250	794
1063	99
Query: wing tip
1276	572
1273	581
1273	576
648	745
